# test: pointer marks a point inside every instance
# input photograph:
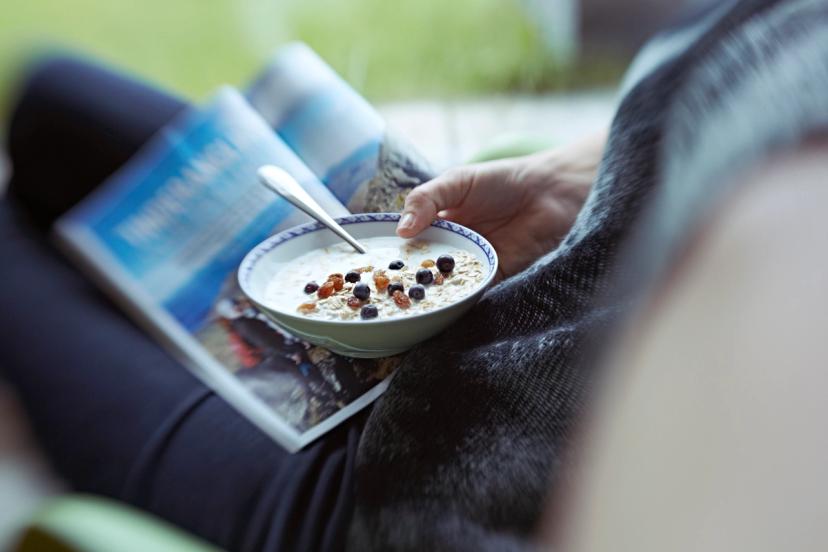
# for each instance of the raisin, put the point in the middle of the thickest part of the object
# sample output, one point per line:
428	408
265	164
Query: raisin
428	263
325	290
354	302
401	299
381	281
338	281
305	308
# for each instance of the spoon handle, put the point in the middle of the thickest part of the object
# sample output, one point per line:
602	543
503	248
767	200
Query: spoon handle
286	186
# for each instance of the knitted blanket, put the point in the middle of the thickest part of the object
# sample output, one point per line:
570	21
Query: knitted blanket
463	449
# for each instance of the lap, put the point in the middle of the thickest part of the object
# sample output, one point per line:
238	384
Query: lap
116	414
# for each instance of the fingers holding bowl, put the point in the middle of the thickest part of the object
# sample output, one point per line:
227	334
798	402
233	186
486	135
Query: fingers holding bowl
425	202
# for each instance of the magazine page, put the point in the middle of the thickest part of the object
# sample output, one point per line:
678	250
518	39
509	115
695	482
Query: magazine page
166	235
338	135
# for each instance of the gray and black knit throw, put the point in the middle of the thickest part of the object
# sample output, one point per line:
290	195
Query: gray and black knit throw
462	451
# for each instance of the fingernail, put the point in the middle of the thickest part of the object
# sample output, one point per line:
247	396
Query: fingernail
407	221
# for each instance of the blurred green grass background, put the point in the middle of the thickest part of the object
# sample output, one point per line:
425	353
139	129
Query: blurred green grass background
385	49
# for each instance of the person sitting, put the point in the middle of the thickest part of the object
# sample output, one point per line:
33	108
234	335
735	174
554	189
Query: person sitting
478	429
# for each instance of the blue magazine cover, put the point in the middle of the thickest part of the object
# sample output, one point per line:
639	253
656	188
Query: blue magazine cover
166	233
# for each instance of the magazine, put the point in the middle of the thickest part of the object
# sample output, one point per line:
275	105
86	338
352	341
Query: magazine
166	233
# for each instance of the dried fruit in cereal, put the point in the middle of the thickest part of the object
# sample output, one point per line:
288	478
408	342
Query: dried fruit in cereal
325	290
338	281
424	276
362	291
401	299
381	281
445	263
364	287
416	292
368	312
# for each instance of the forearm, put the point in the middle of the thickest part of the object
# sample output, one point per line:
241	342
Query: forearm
566	173
577	161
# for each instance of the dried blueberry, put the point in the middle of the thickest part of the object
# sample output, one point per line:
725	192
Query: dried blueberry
395	286
310	287
353	277
445	263
396	265
362	291
368	311
424	276
416	292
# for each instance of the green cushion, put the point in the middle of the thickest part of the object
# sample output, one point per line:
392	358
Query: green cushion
91	524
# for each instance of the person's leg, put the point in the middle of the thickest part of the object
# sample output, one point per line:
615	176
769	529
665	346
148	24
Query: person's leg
115	413
74	124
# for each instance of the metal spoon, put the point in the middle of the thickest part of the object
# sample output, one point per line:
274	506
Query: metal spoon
286	186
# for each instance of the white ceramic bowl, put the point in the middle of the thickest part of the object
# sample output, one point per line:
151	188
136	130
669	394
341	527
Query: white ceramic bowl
360	338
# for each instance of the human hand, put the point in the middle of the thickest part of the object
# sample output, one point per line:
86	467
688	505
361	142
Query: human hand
523	206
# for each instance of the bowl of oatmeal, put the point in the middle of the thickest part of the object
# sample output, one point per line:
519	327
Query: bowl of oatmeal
368	305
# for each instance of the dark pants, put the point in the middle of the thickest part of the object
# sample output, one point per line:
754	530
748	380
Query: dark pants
115	413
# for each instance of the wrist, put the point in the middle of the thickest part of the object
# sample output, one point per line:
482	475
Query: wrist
562	177
580	159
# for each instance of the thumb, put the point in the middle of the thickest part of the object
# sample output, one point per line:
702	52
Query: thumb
422	204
